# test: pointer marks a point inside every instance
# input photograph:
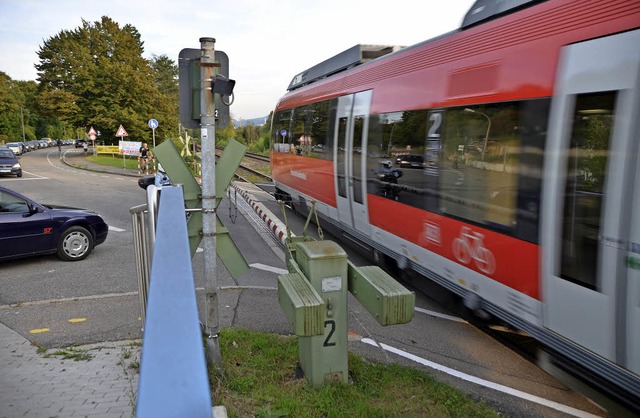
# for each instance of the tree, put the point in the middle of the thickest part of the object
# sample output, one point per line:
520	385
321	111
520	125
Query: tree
95	75
166	75
16	109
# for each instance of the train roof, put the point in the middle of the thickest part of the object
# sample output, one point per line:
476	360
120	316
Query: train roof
356	55
481	11
485	10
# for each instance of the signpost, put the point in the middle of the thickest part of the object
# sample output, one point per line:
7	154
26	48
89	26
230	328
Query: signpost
120	133
153	124
92	137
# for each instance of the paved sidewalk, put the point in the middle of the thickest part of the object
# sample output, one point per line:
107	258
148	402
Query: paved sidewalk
101	383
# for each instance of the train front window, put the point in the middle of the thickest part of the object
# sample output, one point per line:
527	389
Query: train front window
281	135
584	191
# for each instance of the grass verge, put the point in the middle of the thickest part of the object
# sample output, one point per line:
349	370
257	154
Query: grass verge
111	161
259	379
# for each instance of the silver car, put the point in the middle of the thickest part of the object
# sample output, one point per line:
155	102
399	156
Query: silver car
16	147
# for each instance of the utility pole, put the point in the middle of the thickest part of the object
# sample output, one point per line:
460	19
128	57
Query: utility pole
208	136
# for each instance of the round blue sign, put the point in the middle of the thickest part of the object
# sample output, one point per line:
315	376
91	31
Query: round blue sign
153	124
283	132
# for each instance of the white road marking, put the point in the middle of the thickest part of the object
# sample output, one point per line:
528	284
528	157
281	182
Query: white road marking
116	229
272	269
441	315
38	177
491	385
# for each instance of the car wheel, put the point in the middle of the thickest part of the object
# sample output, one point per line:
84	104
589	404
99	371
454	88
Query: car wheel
19	174
75	244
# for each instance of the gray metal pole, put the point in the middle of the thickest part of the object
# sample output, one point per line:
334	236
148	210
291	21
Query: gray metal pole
208	136
22	119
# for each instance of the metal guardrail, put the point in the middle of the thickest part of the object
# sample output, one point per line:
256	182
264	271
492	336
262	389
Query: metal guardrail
144	235
173	374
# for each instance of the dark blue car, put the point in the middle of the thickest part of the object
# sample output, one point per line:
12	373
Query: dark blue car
9	163
28	228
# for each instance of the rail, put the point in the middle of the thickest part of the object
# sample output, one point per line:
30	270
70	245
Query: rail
173	373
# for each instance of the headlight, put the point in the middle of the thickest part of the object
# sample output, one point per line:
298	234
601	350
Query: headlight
16	165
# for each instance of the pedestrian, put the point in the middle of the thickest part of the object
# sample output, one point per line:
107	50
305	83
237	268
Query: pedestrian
85	147
143	157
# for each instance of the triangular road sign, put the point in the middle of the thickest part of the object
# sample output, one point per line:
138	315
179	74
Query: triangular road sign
92	131
121	131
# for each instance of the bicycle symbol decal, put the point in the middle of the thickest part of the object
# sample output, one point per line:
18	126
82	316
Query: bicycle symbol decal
470	246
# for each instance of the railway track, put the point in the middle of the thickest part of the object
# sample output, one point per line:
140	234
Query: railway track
254	168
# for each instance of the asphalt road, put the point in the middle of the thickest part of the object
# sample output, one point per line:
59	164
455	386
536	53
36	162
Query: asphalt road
55	303
109	270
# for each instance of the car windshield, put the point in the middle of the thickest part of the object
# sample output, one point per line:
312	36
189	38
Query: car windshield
6	153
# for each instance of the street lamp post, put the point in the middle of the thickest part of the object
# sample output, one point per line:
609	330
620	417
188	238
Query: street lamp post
22	119
486	136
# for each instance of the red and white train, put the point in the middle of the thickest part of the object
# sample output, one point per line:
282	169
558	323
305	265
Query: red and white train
516	143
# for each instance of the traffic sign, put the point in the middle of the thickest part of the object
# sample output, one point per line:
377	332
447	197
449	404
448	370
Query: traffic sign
121	132
92	137
92	131
153	124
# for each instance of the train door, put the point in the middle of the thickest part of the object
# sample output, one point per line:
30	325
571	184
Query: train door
588	293
350	131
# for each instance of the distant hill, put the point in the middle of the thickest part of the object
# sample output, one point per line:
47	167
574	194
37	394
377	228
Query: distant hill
255	121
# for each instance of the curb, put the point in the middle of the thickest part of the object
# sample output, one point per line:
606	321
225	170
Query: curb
98	170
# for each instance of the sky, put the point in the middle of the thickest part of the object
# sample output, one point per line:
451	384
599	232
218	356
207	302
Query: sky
267	41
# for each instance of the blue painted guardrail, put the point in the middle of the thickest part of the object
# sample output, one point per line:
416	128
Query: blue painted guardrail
173	373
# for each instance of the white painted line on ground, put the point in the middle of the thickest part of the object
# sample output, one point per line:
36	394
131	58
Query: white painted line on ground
116	229
272	269
441	315
491	385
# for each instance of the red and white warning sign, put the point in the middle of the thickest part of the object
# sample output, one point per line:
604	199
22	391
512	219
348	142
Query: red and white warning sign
121	132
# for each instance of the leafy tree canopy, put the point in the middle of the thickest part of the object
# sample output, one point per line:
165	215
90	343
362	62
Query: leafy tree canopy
95	75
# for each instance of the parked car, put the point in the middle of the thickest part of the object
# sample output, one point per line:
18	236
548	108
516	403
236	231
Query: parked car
9	163
16	147
79	143
28	228
409	161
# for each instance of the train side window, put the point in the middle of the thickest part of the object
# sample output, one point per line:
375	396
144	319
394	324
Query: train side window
584	191
306	130
480	163
358	131
340	162
398	138
320	143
